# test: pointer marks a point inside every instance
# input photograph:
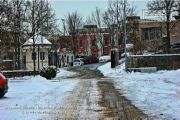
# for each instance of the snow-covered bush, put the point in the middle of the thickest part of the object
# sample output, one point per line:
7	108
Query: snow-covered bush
48	72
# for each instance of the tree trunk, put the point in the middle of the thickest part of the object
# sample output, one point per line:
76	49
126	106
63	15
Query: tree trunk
168	35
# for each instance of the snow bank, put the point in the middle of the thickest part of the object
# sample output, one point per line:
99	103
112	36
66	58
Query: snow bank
30	98
156	94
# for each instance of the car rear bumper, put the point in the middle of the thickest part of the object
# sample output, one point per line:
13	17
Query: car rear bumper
102	61
4	89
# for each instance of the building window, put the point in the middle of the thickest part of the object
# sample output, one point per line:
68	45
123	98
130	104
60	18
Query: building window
119	41
93	42
68	43
24	59
146	35
42	56
152	33
34	56
80	43
106	42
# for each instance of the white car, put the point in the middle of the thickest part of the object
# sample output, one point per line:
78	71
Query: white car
78	62
106	58
123	54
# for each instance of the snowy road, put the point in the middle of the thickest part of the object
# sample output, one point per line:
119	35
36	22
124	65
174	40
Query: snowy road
88	95
96	99
62	98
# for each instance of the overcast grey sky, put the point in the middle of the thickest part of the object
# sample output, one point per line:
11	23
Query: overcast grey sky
85	7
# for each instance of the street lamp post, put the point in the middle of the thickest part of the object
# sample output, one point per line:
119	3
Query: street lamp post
53	56
64	51
125	33
89	39
42	54
117	55
20	56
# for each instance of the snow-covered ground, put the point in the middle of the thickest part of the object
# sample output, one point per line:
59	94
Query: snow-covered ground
30	98
156	94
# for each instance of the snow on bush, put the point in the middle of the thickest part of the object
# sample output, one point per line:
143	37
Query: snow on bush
48	72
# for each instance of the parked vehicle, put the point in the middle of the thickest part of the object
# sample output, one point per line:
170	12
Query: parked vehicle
3	85
175	45
105	58
90	59
78	62
127	54
86	60
71	63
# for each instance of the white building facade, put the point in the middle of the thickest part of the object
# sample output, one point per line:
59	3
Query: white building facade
42	47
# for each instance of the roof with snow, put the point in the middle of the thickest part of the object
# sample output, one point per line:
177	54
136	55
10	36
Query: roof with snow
39	40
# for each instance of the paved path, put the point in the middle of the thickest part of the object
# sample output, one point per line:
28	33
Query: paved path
96	98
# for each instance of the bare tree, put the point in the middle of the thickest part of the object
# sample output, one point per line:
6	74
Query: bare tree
74	23
113	18
177	10
166	7
96	19
110	21
21	19
133	30
4	26
12	16
39	20
17	28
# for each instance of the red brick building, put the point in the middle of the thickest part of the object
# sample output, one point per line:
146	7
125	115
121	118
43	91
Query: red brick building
142	34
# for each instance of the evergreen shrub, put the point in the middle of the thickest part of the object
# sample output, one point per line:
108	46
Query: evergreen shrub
48	72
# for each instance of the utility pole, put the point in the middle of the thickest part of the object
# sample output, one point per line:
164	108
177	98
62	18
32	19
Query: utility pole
89	39
125	33
42	52
64	51
117	54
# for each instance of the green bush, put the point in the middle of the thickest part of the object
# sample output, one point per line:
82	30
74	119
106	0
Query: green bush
48	72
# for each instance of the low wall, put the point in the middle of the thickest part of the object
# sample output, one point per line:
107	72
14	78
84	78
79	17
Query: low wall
19	73
161	61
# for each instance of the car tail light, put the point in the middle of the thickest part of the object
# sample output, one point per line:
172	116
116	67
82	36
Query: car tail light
3	81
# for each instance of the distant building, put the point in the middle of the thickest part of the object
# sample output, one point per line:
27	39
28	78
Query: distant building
153	33
41	55
143	34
